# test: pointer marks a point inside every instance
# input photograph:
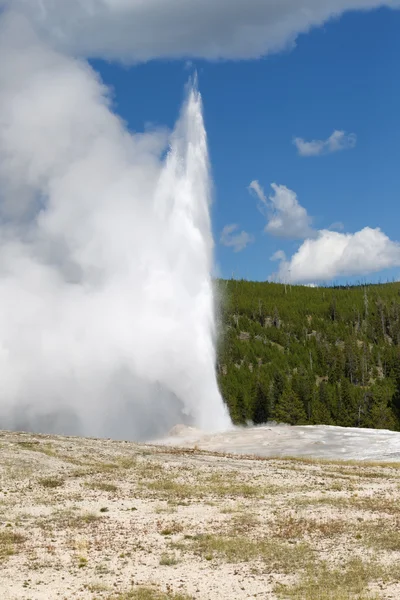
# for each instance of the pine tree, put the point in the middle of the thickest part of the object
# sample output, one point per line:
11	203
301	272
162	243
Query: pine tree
321	411
260	410
347	413
240	412
381	415
290	408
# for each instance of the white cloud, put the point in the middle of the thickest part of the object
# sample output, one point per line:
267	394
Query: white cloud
334	254
336	226
339	140
256	189
141	30
237	241
278	255
286	217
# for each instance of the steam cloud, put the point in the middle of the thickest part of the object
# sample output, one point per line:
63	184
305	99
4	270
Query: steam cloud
106	301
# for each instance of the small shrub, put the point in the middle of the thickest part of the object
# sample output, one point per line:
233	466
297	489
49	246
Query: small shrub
168	559
51	482
9	543
82	562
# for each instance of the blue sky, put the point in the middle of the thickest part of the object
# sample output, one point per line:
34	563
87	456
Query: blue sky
341	76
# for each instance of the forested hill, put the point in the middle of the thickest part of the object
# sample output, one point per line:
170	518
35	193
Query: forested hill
305	355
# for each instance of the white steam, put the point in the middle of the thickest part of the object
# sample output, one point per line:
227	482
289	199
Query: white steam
106	301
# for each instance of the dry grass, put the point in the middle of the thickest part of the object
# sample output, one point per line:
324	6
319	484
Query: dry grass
149	594
51	482
218	485
168	559
102	486
382	535
68	519
349	582
172	528
277	556
10	543
292	528
244	523
37	446
103	520
376	503
171	489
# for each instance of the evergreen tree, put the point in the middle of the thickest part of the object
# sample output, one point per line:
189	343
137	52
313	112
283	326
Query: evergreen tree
260	411
321	413
381	414
290	408
240	412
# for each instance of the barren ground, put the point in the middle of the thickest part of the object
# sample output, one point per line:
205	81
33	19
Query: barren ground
93	519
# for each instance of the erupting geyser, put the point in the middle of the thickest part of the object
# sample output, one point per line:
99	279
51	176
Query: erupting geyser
106	299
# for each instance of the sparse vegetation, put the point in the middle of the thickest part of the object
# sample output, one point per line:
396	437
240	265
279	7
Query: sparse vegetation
243	523
383	535
82	562
10	543
51	482
68	519
292	528
373	504
149	594
97	588
350	582
287	529
102	486
172	529
283	558
168	559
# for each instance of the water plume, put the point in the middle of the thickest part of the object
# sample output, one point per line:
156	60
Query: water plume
106	300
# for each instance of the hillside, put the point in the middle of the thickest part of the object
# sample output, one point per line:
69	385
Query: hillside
304	355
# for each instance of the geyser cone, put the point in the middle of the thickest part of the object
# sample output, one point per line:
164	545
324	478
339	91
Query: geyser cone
106	303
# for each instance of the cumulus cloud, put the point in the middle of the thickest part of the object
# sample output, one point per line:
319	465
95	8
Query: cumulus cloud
231	238
286	217
339	140
137	30
334	254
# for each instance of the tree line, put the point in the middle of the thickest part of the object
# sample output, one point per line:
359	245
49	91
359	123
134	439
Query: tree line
301	355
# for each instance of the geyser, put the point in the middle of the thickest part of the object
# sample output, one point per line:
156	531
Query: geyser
106	299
